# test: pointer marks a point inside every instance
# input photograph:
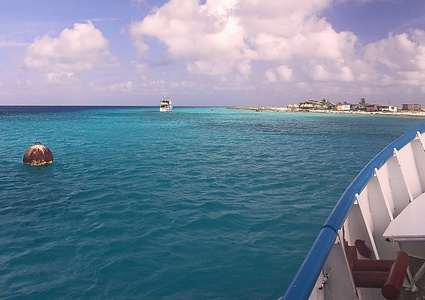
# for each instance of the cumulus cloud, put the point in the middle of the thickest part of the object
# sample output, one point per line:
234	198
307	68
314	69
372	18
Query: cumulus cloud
285	73
222	36
399	52
82	48
209	37
282	73
270	75
59	77
126	86
400	58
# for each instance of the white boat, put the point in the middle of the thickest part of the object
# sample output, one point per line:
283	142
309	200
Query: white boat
372	245
166	104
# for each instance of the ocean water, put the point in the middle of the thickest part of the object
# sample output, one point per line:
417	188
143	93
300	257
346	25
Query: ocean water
199	203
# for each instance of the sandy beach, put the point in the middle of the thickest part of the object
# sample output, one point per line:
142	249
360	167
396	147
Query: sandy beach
292	110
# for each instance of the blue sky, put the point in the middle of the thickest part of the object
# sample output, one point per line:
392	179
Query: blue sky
213	52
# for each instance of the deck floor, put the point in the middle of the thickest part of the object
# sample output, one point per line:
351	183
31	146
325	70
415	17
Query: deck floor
415	264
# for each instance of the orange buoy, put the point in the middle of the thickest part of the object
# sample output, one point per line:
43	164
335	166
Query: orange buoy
38	155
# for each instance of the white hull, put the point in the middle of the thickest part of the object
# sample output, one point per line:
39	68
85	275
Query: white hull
380	216
167	108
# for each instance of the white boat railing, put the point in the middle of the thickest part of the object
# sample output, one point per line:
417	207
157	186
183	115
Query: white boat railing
307	275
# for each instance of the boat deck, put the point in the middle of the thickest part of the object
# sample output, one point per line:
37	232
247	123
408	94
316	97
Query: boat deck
415	264
377	217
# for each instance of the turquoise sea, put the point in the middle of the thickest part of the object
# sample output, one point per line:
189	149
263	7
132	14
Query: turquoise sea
200	203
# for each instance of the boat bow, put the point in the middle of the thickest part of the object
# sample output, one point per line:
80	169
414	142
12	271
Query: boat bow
310	270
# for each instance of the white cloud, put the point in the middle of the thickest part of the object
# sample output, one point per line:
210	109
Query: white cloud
59	77
320	73
126	86
282	73
393	51
400	58
285	73
400	52
209	37
221	37
82	48
244	68
182	84
270	75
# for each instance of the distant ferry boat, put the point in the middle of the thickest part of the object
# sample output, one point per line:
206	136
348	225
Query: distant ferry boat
166	104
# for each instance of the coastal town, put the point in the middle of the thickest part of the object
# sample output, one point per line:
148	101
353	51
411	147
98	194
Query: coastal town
325	106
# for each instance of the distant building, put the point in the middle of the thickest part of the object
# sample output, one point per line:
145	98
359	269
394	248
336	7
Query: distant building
343	107
393	108
382	107
370	108
411	107
355	106
330	105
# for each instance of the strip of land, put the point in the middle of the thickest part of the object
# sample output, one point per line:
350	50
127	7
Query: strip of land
412	113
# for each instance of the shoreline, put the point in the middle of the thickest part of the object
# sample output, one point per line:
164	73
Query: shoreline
292	110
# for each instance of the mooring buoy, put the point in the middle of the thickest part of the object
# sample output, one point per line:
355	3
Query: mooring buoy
38	155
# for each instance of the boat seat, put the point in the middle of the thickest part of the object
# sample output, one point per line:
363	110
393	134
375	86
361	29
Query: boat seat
388	275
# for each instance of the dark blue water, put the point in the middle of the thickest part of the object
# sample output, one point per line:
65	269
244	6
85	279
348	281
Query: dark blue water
192	204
